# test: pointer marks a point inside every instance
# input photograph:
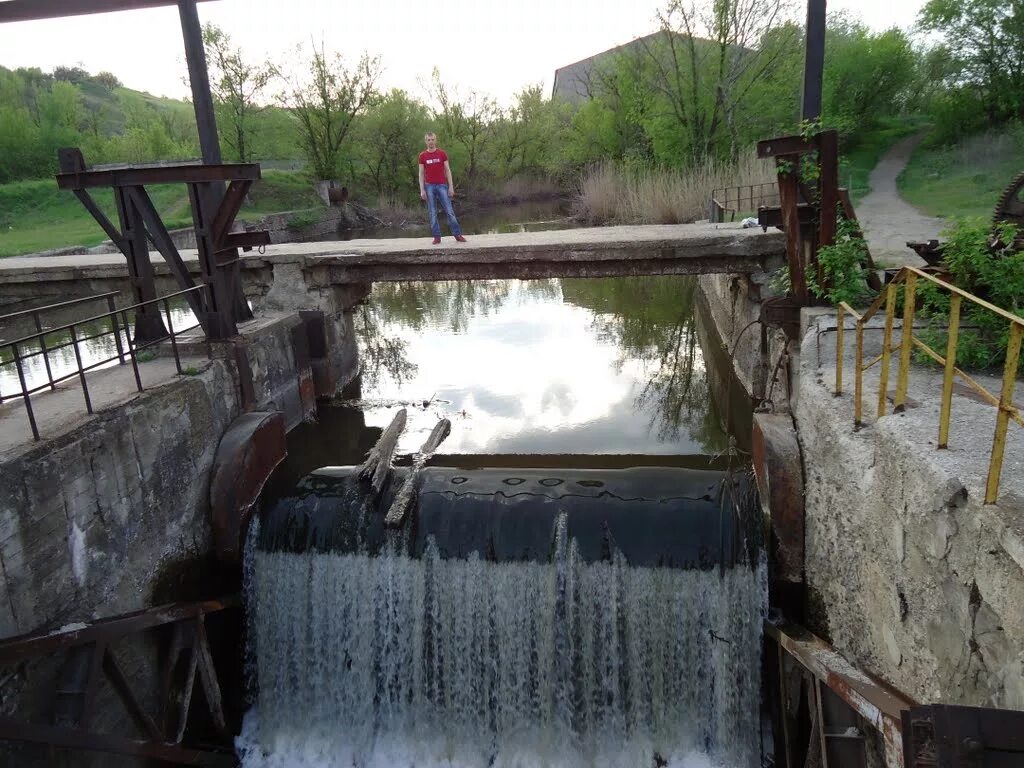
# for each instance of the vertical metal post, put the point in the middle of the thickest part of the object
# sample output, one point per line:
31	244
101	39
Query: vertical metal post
174	341
131	351
883	377
81	370
840	322
1005	408
42	347
814	60
24	392
858	367
199	79
148	325
947	378
116	328
907	341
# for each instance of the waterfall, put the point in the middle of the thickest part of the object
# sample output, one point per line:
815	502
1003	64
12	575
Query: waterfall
390	660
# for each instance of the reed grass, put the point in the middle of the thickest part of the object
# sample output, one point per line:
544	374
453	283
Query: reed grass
609	194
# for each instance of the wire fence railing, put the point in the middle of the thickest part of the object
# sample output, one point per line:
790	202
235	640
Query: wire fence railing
115	323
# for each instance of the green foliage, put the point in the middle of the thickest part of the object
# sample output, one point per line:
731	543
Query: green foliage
867	76
983	266
981	62
842	266
237	86
326	102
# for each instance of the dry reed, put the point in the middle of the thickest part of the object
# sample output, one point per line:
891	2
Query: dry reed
608	194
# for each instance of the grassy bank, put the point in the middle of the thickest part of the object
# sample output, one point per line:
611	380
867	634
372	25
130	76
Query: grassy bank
36	216
967	178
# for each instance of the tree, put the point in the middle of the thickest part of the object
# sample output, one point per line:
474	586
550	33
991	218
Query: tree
236	86
867	75
468	121
705	63
108	80
391	134
327	103
986	39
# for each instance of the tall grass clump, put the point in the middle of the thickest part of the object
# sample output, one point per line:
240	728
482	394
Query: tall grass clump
612	194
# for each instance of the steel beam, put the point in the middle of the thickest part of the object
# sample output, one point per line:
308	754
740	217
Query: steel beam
31	10
184	173
199	80
814	60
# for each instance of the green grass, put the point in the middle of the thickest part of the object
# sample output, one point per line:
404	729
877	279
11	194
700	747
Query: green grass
857	162
36	216
965	179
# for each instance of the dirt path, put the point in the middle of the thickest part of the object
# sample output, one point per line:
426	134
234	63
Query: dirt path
888	220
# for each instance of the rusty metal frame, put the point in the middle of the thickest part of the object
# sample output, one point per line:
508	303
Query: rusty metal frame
807	214
879	704
213	214
93	645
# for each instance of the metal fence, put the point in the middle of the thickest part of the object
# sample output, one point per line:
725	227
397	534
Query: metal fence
907	279
747	198
115	322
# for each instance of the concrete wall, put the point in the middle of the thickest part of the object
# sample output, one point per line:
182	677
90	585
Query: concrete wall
114	515
733	304
908	572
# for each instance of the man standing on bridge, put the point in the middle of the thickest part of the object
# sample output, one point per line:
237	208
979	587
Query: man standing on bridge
436	184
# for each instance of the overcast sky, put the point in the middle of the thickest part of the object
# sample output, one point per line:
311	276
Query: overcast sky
494	46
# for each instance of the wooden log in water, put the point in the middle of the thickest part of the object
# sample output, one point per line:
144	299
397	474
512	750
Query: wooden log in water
377	465
404	497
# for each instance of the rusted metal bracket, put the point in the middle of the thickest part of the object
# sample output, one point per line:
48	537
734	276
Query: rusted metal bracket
90	659
880	705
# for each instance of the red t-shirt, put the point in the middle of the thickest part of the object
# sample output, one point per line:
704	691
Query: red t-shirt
433	166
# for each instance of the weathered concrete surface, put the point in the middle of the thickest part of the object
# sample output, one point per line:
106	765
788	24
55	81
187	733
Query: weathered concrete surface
750	348
908	572
599	251
58	412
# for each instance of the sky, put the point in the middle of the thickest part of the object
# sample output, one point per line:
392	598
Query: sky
493	46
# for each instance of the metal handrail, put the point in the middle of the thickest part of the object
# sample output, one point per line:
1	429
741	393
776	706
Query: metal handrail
116	328
723	197
908	277
59	305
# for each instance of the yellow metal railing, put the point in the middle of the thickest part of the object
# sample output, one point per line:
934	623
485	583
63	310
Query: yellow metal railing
908	277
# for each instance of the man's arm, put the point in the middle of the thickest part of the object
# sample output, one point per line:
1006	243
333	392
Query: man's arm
423	190
448	175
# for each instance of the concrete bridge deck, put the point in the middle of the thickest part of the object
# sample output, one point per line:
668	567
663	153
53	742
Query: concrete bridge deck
588	252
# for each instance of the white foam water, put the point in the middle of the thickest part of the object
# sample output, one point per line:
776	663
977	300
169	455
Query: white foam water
394	661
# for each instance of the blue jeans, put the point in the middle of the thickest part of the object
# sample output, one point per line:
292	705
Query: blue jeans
441	191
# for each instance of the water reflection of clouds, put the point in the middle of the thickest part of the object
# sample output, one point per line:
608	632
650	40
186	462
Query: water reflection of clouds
533	374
